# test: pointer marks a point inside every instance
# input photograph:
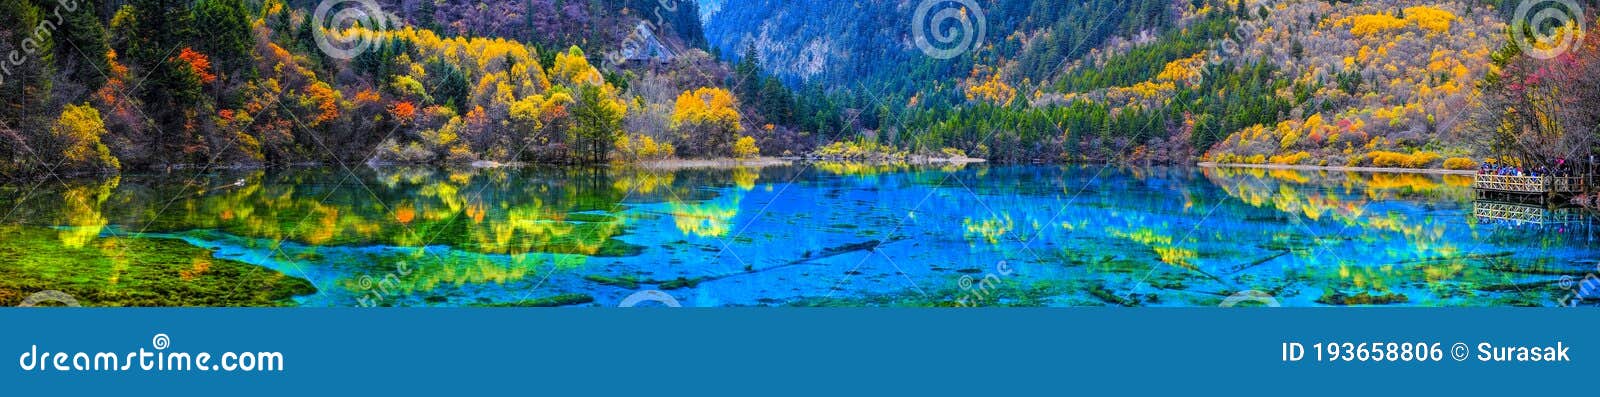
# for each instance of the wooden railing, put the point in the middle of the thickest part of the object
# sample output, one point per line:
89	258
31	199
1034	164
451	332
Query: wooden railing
1489	210
1529	184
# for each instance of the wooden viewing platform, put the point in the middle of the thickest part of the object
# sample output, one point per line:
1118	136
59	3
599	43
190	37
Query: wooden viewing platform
1541	188
1529	184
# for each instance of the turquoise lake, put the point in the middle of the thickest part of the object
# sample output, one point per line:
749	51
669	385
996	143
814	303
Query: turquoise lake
822	234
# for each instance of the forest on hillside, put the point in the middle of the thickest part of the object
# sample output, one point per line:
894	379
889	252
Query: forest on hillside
162	84
110	85
1388	83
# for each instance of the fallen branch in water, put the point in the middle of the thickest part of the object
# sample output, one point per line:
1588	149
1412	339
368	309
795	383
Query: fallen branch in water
1100	292
1517	286
684	282
1258	262
1539	271
1454	258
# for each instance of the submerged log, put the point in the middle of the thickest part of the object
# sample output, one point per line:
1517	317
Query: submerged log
1258	262
1455	258
1100	292
1518	286
683	282
1540	271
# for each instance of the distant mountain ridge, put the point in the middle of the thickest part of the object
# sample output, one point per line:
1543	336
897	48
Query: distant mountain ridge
1301	81
597	25
830	41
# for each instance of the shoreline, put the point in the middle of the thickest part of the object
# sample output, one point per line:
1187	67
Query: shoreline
1375	170
718	163
760	162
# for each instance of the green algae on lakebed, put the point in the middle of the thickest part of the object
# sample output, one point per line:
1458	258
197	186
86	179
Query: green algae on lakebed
115	271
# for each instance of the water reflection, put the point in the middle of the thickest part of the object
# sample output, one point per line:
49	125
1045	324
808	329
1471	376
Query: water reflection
818	234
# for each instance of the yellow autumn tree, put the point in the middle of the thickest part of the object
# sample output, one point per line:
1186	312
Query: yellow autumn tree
746	148
572	68
991	89
1431	18
77	133
640	147
1365	25
706	122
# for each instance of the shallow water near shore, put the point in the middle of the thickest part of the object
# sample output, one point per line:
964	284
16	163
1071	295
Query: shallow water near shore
823	234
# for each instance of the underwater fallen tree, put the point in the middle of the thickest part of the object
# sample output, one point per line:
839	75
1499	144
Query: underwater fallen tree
687	282
1258	262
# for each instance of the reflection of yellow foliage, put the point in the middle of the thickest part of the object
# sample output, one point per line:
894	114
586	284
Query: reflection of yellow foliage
200	266
81	210
643	181
325	228
745	178
459	271
989	229
1414	182
1162	244
712	218
1143	236
1177	256
1291	176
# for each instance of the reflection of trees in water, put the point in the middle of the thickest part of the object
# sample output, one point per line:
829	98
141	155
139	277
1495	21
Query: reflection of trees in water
81	218
695	210
1350	232
498	211
1394	243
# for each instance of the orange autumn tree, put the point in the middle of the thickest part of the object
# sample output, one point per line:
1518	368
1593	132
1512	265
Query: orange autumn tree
403	112
199	63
